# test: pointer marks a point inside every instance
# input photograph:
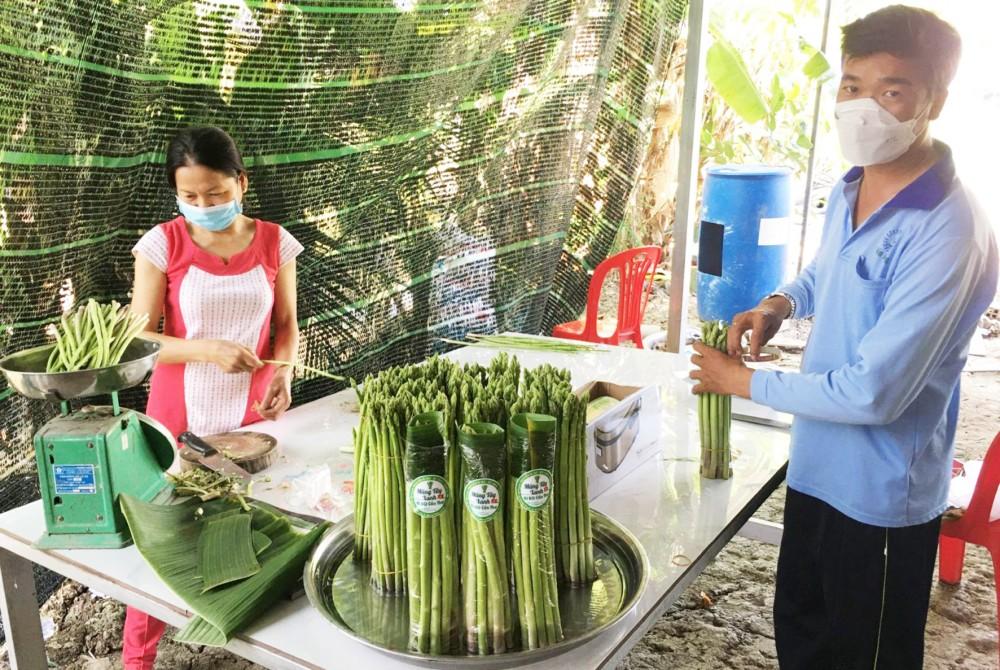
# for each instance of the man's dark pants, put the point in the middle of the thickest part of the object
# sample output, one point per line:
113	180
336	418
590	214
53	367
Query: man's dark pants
851	596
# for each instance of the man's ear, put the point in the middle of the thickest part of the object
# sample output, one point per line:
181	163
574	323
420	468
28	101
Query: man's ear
940	97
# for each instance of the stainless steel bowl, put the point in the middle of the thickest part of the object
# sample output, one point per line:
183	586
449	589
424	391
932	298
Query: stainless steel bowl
25	372
339	588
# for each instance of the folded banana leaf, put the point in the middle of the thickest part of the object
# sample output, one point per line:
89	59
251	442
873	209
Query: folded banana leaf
260	542
167	537
226	551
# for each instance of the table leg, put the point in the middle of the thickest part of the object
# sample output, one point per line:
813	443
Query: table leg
19	608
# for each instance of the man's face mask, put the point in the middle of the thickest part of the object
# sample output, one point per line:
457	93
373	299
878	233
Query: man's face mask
871	135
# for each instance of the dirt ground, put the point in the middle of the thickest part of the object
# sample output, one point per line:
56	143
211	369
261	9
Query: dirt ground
734	631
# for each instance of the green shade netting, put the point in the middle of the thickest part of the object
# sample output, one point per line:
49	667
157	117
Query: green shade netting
449	166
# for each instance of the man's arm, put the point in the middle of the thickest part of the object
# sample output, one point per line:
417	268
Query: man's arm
802	289
924	306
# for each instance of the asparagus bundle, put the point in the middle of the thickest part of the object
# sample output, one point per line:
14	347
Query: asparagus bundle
94	336
485	583
432	563
548	391
386	493
531	455
575	539
468	395
362	520
389	401
714	414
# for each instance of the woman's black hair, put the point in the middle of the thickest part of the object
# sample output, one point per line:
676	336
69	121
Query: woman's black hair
208	146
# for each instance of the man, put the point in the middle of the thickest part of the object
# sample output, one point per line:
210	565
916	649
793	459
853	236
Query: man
906	266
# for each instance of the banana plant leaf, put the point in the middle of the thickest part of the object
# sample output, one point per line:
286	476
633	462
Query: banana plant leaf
167	537
531	443
728	73
226	551
817	67
260	542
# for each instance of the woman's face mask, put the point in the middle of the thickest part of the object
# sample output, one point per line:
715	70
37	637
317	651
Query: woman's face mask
208	198
215	218
871	135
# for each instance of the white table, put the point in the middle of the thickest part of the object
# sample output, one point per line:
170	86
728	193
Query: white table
681	520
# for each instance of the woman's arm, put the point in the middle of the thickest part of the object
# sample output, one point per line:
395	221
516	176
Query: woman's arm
284	320
148	292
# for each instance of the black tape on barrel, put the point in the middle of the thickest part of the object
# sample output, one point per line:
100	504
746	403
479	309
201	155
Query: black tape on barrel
710	248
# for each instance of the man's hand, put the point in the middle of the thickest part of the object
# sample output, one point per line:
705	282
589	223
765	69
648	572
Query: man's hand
763	322
719	373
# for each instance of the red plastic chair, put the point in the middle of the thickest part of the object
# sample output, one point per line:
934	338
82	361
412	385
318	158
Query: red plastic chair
974	525
636	268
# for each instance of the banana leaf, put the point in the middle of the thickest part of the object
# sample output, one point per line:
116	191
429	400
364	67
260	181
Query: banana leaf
426	450
226	550
167	537
484	456
531	444
260	542
728	73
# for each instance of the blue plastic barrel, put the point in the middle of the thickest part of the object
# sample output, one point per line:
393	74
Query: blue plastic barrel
743	239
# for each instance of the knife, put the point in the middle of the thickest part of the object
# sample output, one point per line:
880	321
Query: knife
213	460
210	457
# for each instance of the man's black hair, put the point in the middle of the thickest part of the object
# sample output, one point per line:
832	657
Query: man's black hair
909	33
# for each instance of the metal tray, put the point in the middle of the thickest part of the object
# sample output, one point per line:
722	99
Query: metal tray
339	588
25	372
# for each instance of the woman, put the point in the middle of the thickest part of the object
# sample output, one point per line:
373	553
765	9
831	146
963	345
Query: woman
224	284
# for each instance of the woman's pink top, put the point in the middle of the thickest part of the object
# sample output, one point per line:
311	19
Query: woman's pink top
209	299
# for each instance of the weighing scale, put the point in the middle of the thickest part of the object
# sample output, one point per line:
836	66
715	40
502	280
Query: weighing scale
89	455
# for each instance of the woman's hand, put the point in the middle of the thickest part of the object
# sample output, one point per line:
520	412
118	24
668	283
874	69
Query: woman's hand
233	357
719	373
278	396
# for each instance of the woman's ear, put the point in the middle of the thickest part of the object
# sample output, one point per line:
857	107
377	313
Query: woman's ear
244	183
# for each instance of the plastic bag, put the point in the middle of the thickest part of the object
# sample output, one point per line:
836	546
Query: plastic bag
531	445
485	582
313	490
432	551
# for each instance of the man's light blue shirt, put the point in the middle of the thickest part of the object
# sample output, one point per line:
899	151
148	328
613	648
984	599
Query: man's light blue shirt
895	303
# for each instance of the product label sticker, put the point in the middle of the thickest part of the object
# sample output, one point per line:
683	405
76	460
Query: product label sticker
482	498
534	488
74	479
428	495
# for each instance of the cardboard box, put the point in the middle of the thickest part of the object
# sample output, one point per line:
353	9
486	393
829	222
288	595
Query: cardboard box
623	436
